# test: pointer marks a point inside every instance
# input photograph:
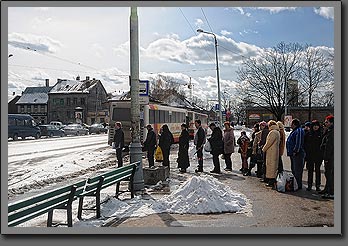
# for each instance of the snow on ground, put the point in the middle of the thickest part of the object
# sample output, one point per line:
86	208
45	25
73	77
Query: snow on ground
202	194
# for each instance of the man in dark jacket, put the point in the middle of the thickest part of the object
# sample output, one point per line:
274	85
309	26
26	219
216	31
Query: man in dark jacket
165	141
217	146
295	149
314	157
199	140
119	143
184	143
150	145
327	147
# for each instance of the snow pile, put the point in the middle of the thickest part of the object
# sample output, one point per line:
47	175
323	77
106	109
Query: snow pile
204	194
198	195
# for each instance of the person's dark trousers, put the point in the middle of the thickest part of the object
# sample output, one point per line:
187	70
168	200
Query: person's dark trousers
311	167
329	173
280	165
264	166
200	159
228	161
166	153
297	164
216	163
259	168
150	159
119	157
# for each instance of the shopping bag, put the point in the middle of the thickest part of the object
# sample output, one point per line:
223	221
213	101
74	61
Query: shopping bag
281	182
158	154
291	183
207	147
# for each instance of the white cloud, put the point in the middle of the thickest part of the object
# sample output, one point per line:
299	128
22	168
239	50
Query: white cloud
225	33
34	42
199	23
274	10
241	11
98	49
327	12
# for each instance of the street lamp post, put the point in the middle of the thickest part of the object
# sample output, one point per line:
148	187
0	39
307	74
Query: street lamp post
217	73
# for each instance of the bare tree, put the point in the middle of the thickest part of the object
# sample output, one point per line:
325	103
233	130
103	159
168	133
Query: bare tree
263	79
314	71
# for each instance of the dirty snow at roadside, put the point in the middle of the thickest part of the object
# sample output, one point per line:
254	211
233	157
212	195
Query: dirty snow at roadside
198	195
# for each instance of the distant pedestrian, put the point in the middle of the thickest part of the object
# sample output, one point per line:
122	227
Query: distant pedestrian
229	143
281	145
183	157
166	139
119	143
295	149
150	145
314	156
271	148
257	151
243	142
253	157
217	146
264	133
327	146
199	141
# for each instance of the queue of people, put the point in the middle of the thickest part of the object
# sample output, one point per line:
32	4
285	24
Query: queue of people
310	145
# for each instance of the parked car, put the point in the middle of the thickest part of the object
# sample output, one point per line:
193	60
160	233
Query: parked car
75	129
57	123
22	125
97	128
51	131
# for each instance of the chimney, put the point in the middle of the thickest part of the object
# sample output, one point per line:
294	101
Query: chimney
87	77
88	83
78	77
47	82
13	93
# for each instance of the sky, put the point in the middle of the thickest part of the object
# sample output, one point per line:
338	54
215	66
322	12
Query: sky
66	42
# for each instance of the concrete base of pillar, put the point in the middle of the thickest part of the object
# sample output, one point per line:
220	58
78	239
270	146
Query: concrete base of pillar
153	175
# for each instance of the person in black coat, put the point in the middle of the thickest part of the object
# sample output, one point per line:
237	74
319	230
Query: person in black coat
165	141
150	145
217	146
183	157
327	147
119	143
199	141
314	157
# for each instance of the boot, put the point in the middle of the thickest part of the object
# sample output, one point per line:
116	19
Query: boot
247	172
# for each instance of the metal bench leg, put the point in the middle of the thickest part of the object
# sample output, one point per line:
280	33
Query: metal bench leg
69	216
79	212
97	201
50	218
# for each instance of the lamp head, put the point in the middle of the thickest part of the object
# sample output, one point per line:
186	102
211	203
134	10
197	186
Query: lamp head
199	30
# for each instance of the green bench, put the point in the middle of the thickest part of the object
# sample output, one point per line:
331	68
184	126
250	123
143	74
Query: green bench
62	198
96	184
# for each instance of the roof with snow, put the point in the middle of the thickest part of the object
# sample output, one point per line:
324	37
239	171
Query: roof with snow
73	86
34	95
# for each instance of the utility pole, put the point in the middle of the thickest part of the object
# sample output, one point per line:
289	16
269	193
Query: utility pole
135	150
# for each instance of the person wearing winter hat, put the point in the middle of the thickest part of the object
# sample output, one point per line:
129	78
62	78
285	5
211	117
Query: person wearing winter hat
264	132
327	147
314	156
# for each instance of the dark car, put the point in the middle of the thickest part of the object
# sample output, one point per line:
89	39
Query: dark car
75	129
51	131
97	128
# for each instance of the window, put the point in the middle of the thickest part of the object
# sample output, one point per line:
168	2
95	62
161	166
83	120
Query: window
161	116
42	108
75	100
61	102
29	108
22	108
151	116
121	114
68	101
36	108
11	122
83	101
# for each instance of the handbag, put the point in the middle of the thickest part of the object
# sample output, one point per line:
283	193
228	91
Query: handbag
113	145
207	147
158	154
